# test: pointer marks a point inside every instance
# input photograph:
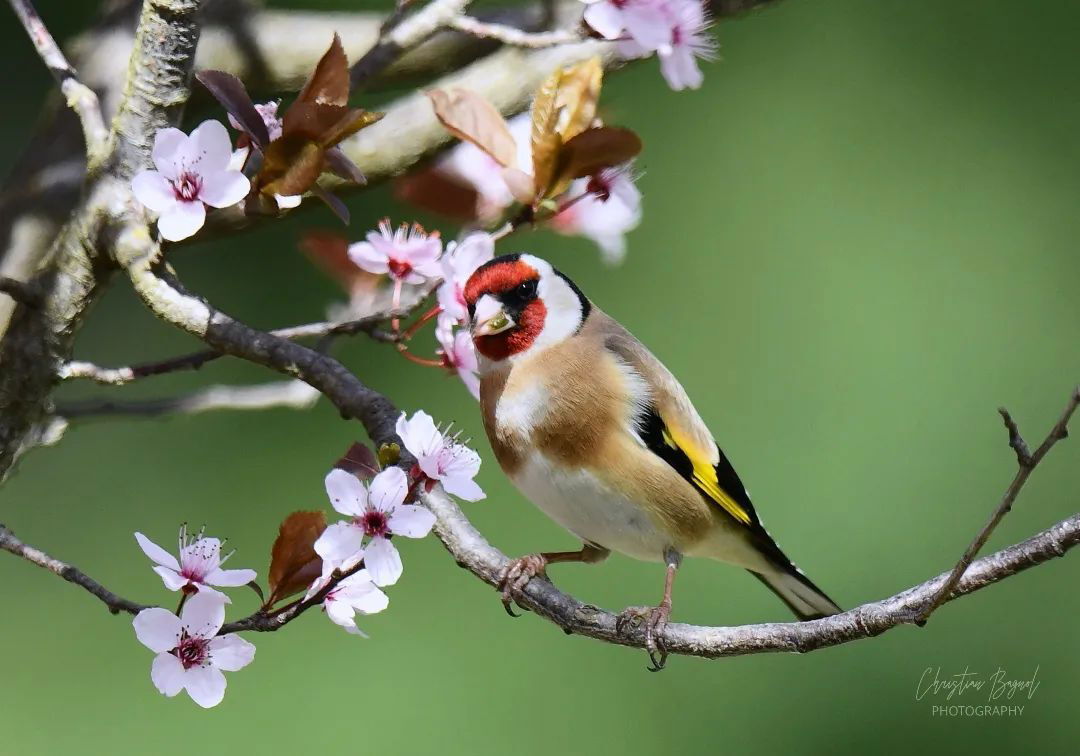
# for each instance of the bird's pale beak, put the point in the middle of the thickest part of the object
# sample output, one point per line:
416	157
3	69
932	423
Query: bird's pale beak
490	318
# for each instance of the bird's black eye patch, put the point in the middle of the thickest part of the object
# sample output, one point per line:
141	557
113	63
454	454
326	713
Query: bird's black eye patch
515	299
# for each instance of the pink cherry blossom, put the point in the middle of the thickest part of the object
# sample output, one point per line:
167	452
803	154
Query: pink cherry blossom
473	167
268	112
439	457
190	653
407	254
612	209
458	353
356	594
199	566
459	262
191	170
689	40
645	21
377	513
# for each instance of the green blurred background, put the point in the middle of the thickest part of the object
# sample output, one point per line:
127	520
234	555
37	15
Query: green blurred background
859	240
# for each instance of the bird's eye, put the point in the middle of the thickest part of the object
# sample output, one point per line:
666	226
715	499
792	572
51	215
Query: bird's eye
527	288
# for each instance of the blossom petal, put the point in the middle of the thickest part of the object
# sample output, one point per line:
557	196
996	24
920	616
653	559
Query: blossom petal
182	220
230	578
201	557
383	561
158	629
364	255
340	612
346	493
605	18
362	594
388	489
204	614
167	674
339	542
211	148
173	580
231	652
206	685
463	487
288	201
156	553
154	191
411	521
170	146
224	188
419	434
680	69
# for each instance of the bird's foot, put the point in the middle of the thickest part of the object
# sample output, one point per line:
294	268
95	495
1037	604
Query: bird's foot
653	619
517	574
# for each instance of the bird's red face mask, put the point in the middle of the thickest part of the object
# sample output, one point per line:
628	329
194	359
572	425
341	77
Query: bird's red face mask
506	311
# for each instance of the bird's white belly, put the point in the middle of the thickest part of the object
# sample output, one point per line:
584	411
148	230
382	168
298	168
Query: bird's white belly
591	510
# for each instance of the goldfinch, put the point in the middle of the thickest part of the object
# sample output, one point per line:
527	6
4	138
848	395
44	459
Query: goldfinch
597	433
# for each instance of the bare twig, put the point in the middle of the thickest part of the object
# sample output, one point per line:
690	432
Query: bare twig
116	604
401	32
511	35
79	97
21	291
195	360
1027	463
284	394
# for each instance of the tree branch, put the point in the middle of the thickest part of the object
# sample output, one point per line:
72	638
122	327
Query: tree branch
1027	464
474	553
70	573
80	97
21	291
511	35
285	394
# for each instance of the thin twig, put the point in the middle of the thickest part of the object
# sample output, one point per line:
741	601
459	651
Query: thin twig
80	97
1027	463
195	360
116	604
287	394
401	32
511	35
21	291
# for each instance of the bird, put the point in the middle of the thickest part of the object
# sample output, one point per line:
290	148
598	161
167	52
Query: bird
599	435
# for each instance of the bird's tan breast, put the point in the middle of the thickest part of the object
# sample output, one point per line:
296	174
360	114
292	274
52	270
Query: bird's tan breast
570	409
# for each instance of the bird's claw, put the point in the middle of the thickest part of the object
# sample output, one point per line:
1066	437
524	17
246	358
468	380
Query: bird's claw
516	575
653	619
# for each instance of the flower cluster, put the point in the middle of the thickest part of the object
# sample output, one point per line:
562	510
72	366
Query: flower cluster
676	30
603	208
190	654
409	255
378	512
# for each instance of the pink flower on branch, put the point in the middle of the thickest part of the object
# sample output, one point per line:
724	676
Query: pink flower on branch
199	566
356	594
190	654
459	262
407	254
458	353
610	209
645	21
439	457
377	513
192	171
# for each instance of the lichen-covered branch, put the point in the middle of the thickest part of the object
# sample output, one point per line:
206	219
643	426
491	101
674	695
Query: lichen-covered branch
284	394
79	97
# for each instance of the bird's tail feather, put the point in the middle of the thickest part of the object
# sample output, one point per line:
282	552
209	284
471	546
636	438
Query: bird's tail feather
804	598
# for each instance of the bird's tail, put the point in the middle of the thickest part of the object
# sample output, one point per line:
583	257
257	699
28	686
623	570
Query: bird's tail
787	581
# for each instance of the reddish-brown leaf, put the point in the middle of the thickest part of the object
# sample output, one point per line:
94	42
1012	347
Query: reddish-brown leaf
329	82
467	115
290	166
360	461
293	561
593	150
230	92
434	191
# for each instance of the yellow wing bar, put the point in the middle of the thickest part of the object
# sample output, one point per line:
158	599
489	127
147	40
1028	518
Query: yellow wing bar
704	475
